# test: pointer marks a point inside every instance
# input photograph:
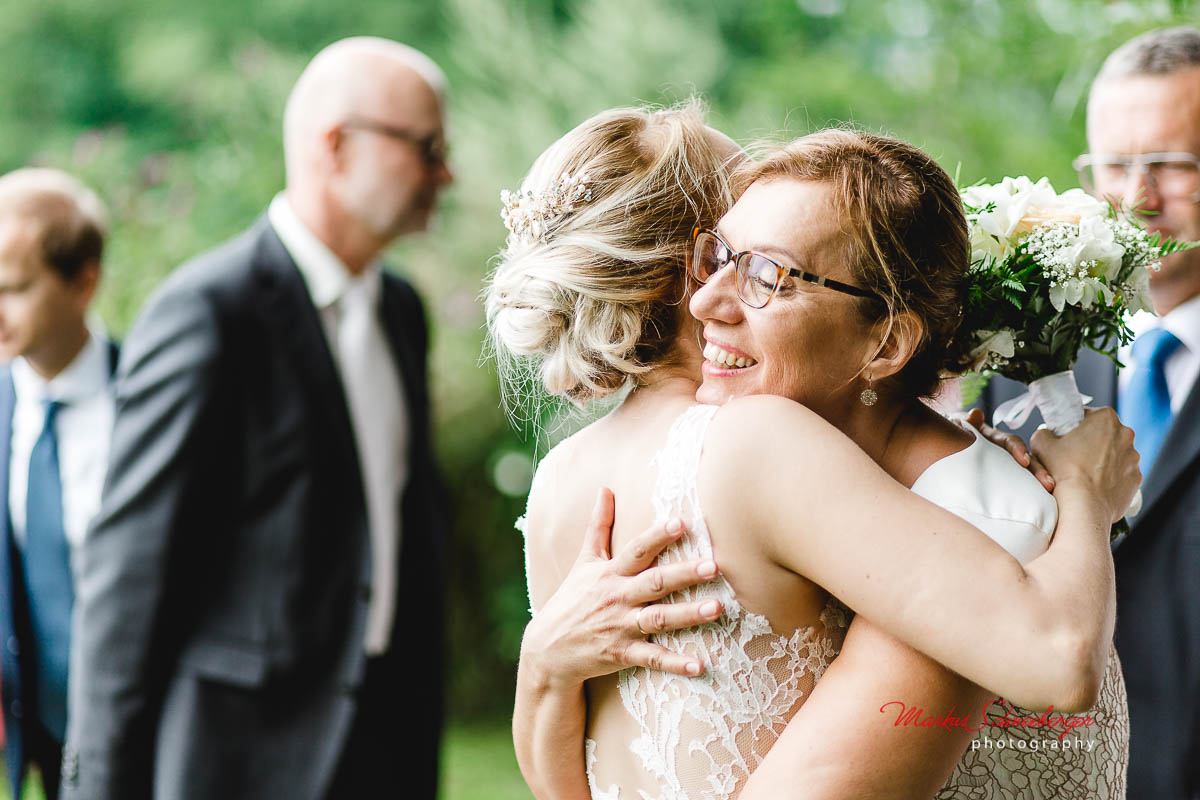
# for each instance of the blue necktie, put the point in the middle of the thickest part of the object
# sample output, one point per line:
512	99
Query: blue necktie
1145	404
48	579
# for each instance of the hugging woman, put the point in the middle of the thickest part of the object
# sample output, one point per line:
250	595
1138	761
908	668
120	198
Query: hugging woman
827	300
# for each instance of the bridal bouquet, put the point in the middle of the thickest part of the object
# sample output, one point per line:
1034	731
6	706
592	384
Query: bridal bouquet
1051	273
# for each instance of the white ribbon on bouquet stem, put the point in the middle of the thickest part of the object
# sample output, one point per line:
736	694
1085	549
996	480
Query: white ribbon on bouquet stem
1058	398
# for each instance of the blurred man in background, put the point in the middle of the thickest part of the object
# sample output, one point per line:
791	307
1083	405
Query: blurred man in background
260	601
56	411
1143	127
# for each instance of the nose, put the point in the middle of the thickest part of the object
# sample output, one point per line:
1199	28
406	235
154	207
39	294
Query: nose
717	298
444	176
1141	190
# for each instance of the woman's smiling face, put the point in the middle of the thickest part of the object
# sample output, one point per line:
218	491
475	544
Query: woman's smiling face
809	342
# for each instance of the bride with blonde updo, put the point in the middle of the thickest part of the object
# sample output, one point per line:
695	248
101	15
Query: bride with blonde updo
667	662
600	302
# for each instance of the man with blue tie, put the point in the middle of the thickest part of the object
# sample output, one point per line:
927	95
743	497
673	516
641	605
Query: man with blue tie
56	410
1143	128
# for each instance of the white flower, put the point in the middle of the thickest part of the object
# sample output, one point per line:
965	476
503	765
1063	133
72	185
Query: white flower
1005	204
1082	260
1097	245
993	346
985	245
1017	206
1137	291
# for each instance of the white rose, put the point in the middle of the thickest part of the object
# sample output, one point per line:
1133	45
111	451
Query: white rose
1082	203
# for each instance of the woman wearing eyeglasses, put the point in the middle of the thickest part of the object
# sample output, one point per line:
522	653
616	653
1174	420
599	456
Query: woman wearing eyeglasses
792	509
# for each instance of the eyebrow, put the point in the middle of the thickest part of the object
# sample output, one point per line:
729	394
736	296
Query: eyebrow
787	257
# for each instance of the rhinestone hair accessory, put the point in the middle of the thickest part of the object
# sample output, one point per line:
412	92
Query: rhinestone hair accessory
530	215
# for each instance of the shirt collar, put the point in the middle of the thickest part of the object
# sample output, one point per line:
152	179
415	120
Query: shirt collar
1183	321
324	273
87	375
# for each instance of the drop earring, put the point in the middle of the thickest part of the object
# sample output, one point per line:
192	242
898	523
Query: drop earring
868	396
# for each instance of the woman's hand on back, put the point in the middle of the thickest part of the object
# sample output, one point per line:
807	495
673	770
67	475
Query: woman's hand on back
597	622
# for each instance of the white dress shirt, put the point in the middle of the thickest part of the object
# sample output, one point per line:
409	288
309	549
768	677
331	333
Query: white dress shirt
374	398
82	425
1182	367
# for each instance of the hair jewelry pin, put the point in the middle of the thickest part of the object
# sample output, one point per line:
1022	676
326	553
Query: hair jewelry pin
529	215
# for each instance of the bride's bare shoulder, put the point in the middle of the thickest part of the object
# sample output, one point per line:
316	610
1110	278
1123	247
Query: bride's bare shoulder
559	506
765	424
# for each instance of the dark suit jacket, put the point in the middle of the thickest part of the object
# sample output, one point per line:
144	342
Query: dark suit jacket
223	589
1158	596
15	682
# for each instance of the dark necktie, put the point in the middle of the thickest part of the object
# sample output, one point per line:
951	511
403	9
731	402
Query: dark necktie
1145	405
48	578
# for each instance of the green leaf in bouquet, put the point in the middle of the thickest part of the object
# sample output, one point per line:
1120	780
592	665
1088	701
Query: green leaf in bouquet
1168	246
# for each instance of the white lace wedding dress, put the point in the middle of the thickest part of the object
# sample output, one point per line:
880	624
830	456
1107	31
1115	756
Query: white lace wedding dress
700	738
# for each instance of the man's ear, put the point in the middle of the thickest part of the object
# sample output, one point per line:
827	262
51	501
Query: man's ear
899	339
333	144
85	283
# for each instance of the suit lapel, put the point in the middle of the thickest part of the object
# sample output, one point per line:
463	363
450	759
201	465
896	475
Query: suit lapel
9	666
288	309
8	398
1180	449
1096	376
8	401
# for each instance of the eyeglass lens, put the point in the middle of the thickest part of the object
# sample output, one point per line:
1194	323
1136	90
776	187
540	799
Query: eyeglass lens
1171	178
757	277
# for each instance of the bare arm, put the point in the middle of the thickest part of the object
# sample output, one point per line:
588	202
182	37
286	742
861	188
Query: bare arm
898	559
858	709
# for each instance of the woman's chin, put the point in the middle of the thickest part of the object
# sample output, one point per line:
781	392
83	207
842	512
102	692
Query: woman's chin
722	384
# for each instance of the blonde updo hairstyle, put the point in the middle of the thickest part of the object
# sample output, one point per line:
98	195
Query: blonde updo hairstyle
595	301
906	237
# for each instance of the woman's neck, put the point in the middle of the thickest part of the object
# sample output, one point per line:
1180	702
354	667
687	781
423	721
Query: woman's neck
904	438
662	384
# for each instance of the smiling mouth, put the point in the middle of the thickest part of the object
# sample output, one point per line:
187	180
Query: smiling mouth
723	358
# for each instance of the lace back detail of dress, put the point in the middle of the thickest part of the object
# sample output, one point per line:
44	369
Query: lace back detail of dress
1088	762
703	737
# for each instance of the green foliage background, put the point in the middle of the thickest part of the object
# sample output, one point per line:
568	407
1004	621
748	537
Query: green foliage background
171	110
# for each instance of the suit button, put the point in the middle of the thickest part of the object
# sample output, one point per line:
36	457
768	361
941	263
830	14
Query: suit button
364	592
13	645
16	709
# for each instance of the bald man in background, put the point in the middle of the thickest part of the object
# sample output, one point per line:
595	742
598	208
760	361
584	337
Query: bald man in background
271	538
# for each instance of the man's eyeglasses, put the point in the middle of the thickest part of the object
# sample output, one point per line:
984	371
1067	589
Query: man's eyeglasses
758	277
431	147
1175	175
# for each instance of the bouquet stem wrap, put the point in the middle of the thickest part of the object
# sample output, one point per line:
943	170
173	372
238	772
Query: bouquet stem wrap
1058	398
